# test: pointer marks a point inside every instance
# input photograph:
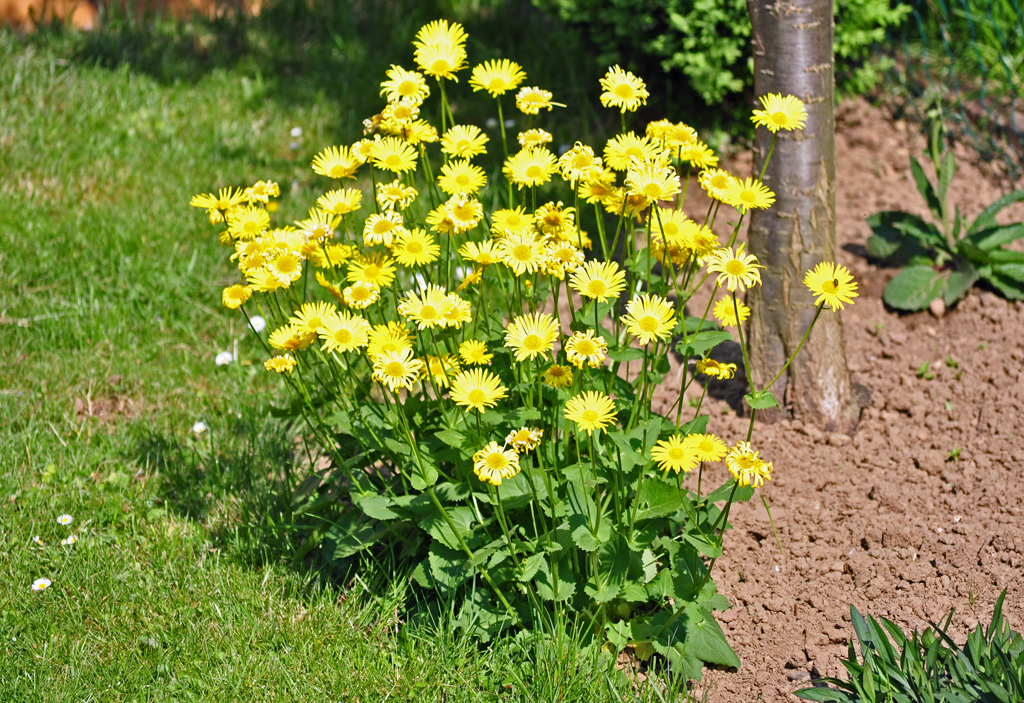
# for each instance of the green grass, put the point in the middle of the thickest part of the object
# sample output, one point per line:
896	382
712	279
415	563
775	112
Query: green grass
184	583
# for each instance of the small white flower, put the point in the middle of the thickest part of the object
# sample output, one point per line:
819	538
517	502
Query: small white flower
491	123
199	427
225	357
258	324
38	541
69	540
41	584
296	132
65	519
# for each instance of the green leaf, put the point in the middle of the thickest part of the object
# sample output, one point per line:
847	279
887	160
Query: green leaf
545	581
438	528
449	567
1006	256
453	438
625	354
743	493
530	566
702	342
762	400
613	563
946	172
377	507
352	533
703	545
925	188
705	639
1008	279
914	287
960	282
698	425
619	634
891	244
656	499
987	219
582	512
422	480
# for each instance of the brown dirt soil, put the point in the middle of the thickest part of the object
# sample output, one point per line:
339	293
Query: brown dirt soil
883	520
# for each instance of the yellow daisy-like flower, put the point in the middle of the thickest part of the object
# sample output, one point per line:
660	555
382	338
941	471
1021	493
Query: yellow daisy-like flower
510	221
579	163
333	254
531	335
554	218
477	389
586	347
747	467
420	132
262	192
726	314
427	308
361	295
395	195
834	285
464	211
465	141
780	112
440	221
590	410
415	248
224	200
340	202
748	193
673	454
736	271
397	369
262	280
334	290
441	60
533	138
699	154
234	297
623	90
474	353
483	253
522	252
497	76
622	151
319	226
246	221
280	364
525	439
456	311
378	269
472	278
290	338
530	167
673	226
405	84
565	256
392	337
336	162
716	369
706	447
599	187
440	32
680	134
344	332
383	228
310	317
460	176
705	242
653	182
599	280
531	101
558	376
649	317
494	464
716	182
442	369
393	154
286	266
658	130
398	115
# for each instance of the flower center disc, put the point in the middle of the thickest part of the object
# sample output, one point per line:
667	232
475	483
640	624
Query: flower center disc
624	90
648	324
779	118
589	415
522	252
395	368
497	460
532	342
343	336
428	312
414	247
735	268
476	397
676	454
533	171
596	289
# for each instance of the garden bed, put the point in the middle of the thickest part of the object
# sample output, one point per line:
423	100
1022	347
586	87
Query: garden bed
886	519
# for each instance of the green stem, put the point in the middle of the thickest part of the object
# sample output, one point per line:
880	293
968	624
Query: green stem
798	348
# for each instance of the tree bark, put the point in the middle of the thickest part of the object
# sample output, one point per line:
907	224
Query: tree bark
792	47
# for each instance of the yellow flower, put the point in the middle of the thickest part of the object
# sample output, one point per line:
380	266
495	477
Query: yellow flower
262	280
465	141
426	309
698	154
286	266
336	162
674	226
524	439
834	285
599	187
658	130
474	353
623	150
377	269
562	257
290	338
319	226
235	296
590	410
586	347
522	252
706	447
442	369
404	84
477	389
281	364
531	335
440	32
531	101
392	337
652	181
510	221
333	254
533	138
747	467
441	60
497	77
397	369
464	211
392	154
246	222
415	248
420	131
361	295
599	280
623	90
344	332
218	204
579	163
483	253
558	376
382	228
716	369
726	314
530	167
780	112
262	192
716	182
649	317
395	194
737	270
493	464
340	202
680	134
398	115
748	193
440	221
472	278
456	311
310	317
460	176
673	454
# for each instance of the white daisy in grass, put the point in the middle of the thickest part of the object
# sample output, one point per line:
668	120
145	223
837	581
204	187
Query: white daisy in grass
225	357
41	584
69	540
199	427
258	324
65	519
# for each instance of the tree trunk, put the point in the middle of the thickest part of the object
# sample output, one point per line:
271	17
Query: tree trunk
792	46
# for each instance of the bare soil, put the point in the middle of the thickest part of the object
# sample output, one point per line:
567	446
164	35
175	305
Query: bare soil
891	520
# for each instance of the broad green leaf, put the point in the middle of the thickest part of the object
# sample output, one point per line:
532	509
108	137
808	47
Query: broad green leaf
762	400
1006	256
643	565
925	188
645	534
453	438
702	342
351	533
914	287
946	172
421	574
438	528
688	570
449	492
547	588
706	641
581	512
890	243
703	545
656	499
973	253
960	282
378	507
634	593
449	567
987	219
692	324
630	452
591	540
743	493
619	634
625	354
613	563
1008	279
698	425
422	479
530	566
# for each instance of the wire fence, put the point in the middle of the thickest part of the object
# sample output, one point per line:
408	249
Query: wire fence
963	60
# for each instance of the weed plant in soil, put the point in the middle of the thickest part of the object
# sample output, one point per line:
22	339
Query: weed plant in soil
180	581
